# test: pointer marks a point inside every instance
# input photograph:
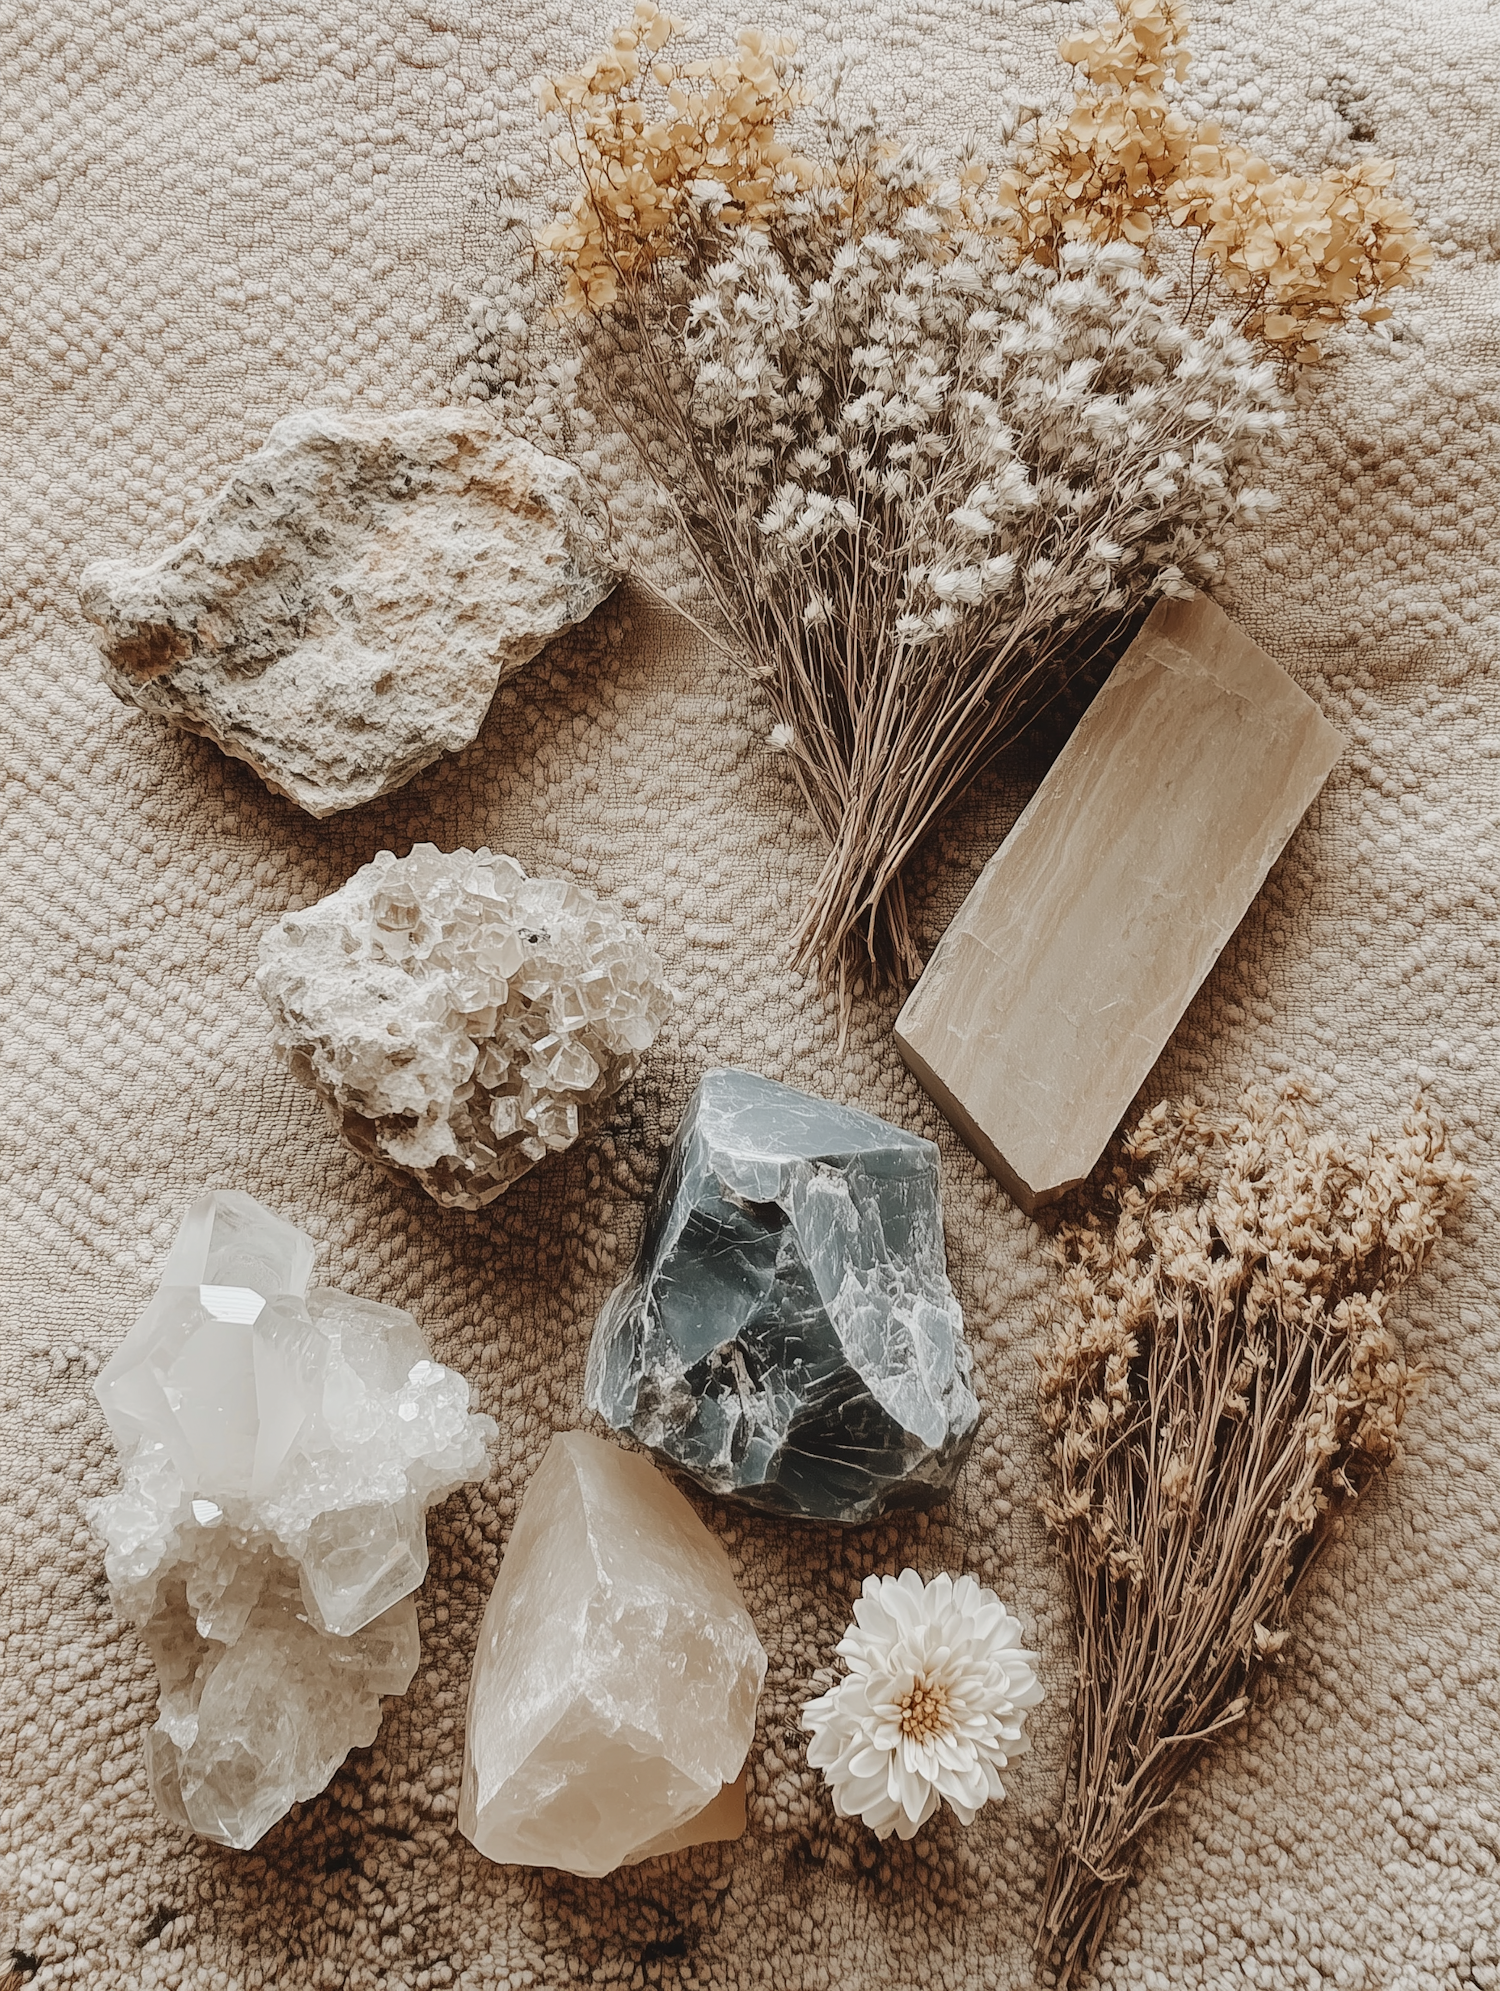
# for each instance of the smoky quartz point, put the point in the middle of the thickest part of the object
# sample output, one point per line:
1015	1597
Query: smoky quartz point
789	1337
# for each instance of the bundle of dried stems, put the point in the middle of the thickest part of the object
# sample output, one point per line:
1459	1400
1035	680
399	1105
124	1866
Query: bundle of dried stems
1222	1384
933	432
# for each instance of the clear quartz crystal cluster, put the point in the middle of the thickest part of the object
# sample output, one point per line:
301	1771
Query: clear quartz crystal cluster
613	1696
459	1019
281	1447
789	1336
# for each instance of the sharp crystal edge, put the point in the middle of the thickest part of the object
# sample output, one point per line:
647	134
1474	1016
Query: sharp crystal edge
1069	965
612	1701
281	1447
788	1336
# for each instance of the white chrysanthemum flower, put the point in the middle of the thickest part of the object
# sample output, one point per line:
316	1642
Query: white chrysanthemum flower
932	1706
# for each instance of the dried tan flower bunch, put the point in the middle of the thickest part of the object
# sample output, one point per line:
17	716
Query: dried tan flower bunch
714	127
1098	173
1297	256
1222	1383
920	474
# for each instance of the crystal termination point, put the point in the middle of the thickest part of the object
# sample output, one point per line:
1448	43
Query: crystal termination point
613	1696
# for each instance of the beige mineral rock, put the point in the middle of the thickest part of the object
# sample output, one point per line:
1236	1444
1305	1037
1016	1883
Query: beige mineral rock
1085	937
345	610
612	1702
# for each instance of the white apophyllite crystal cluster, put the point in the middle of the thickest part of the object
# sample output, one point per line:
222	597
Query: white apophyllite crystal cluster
613	1696
459	1019
281	1449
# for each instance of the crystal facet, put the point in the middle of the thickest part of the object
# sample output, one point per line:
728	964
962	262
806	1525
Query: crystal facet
789	1336
613	1696
459	1019
281	1449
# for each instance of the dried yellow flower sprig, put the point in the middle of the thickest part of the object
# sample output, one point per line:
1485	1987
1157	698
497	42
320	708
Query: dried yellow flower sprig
1222	1382
1098	174
1298	256
708	130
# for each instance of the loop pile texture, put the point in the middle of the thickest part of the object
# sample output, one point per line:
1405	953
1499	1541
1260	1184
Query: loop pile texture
214	215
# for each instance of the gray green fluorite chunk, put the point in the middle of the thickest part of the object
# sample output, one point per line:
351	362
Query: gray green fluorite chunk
789	1336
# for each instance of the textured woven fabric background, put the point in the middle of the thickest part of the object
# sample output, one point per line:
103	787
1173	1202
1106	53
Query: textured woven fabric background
213	215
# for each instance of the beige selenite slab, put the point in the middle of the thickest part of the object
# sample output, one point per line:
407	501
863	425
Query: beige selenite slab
1087	934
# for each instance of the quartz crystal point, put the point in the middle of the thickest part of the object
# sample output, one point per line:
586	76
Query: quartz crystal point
613	1696
1090	930
281	1448
349	602
458	1019
789	1336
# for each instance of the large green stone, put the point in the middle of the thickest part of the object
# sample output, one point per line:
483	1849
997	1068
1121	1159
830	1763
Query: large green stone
789	1337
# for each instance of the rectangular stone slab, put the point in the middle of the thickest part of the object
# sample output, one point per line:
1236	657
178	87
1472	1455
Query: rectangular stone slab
1088	933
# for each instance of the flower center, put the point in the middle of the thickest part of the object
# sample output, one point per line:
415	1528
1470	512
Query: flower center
924	1710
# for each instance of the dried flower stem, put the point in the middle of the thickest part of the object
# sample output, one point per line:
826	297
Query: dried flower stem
932	432
922	488
1223	1383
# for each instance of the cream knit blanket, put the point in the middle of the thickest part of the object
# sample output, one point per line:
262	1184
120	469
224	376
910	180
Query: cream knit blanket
214	214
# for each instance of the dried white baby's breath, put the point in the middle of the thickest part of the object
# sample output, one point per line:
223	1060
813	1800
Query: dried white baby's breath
914	473
924	483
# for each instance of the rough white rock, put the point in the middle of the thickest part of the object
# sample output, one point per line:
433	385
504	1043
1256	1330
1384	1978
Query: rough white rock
281	1450
343	613
459	1019
612	1701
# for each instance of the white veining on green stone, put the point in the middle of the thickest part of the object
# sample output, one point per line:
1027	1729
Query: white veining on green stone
789	1336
